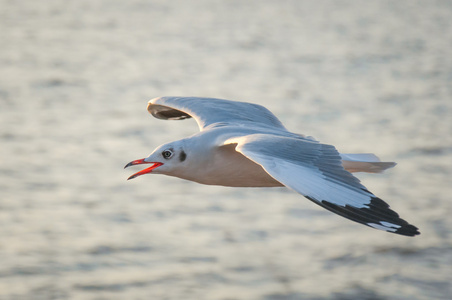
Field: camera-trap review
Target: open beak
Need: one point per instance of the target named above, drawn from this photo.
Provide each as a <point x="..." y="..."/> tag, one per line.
<point x="145" y="171"/>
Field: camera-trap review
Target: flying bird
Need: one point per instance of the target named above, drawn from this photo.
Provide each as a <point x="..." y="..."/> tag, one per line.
<point x="244" y="145"/>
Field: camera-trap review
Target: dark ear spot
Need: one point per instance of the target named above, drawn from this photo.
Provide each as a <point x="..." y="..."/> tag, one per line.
<point x="182" y="156"/>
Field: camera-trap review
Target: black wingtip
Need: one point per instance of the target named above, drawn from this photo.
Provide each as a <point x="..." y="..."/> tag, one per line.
<point x="377" y="215"/>
<point x="382" y="210"/>
<point x="408" y="230"/>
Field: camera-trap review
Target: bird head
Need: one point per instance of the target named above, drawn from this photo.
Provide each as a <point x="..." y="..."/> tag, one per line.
<point x="165" y="160"/>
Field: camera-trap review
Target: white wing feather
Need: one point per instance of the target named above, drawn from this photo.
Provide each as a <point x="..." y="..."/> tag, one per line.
<point x="210" y="111"/>
<point x="315" y="171"/>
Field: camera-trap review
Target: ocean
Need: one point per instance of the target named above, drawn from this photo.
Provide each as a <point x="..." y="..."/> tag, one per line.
<point x="75" y="78"/>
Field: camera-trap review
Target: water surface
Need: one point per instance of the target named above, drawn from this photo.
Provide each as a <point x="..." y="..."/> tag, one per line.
<point x="75" y="80"/>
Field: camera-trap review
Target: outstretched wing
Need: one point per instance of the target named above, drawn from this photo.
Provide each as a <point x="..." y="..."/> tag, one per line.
<point x="208" y="111"/>
<point x="315" y="171"/>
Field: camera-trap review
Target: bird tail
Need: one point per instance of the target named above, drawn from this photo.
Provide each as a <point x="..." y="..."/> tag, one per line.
<point x="364" y="162"/>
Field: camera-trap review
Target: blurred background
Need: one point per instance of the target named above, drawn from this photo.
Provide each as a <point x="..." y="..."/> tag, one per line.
<point x="75" y="78"/>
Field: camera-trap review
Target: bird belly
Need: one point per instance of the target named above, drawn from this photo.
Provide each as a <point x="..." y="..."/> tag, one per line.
<point x="230" y="168"/>
<point x="248" y="175"/>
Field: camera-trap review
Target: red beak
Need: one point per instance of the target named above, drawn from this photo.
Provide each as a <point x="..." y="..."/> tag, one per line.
<point x="145" y="171"/>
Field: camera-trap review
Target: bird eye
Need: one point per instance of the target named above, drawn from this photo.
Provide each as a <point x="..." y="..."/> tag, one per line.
<point x="167" y="154"/>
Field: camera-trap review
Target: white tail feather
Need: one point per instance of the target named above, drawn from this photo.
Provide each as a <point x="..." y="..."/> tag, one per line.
<point x="364" y="162"/>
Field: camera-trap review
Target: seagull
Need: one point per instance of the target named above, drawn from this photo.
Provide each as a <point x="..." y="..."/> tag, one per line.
<point x="245" y="145"/>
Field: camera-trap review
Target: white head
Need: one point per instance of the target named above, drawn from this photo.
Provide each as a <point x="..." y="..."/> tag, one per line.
<point x="166" y="159"/>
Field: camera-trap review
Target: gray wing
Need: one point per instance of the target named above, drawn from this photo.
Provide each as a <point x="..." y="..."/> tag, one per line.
<point x="315" y="171"/>
<point x="209" y="111"/>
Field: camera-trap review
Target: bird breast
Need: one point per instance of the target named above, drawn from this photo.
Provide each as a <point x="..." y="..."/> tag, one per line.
<point x="227" y="167"/>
